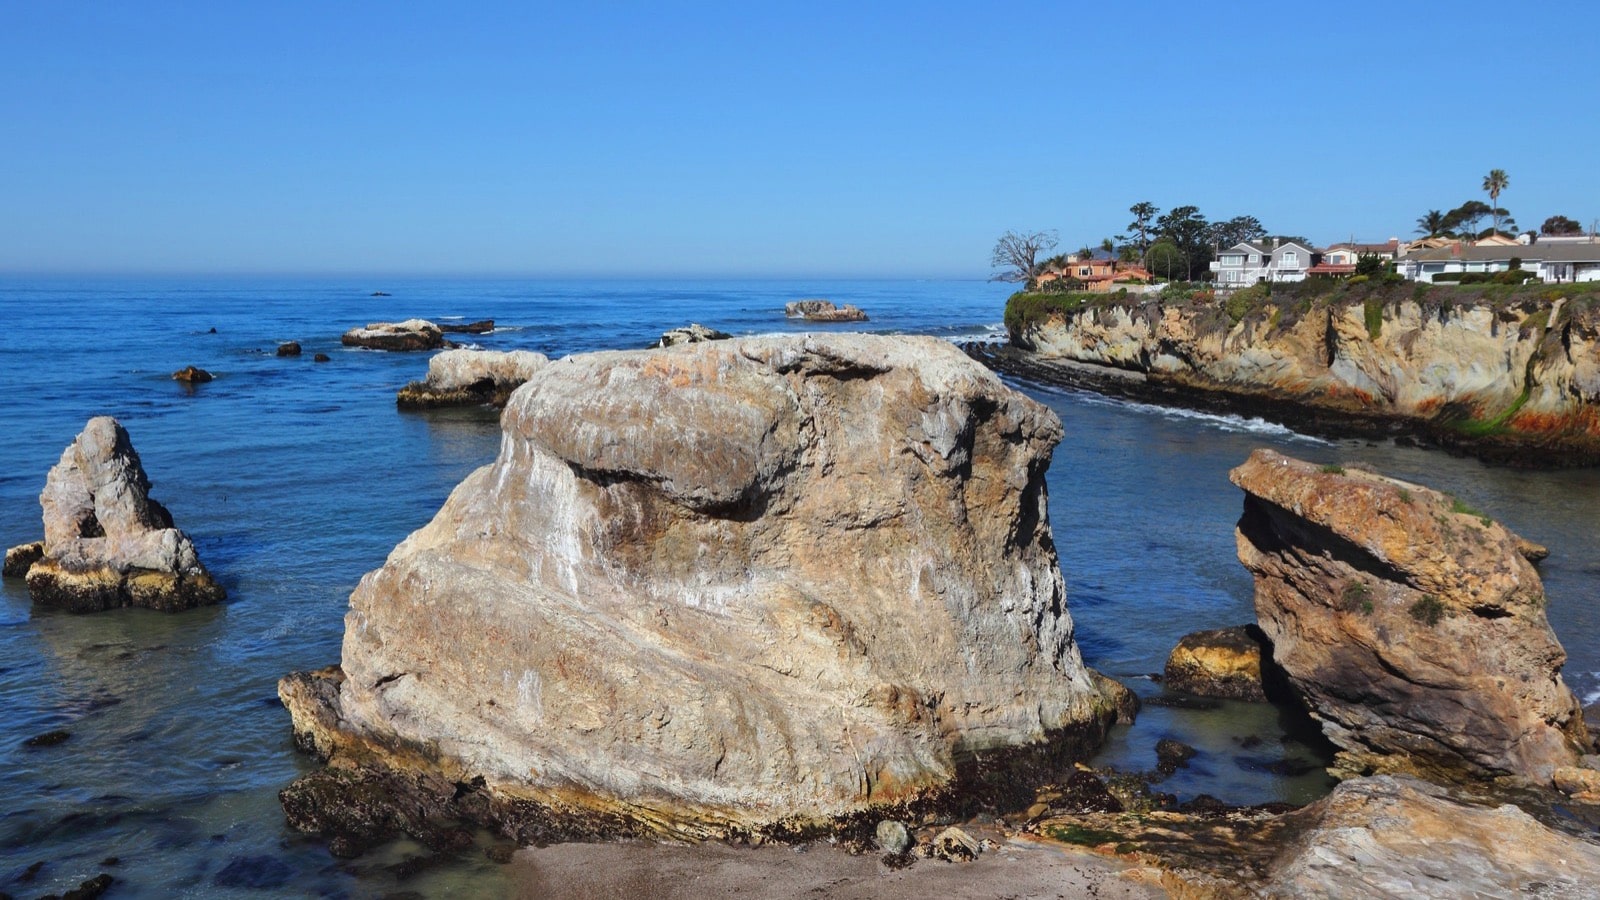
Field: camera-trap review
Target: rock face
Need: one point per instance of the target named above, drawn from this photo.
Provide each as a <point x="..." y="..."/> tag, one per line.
<point x="823" y="311"/>
<point x="747" y="585"/>
<point x="412" y="334"/>
<point x="1410" y="626"/>
<point x="1401" y="837"/>
<point x="471" y="377"/>
<point x="1222" y="662"/>
<point x="694" y="333"/>
<point x="106" y="543"/>
<point x="1516" y="380"/>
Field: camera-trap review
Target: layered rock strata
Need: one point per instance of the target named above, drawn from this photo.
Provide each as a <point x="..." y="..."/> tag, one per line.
<point x="1410" y="625"/>
<point x="758" y="585"/>
<point x="412" y="334"/>
<point x="1401" y="837"/>
<point x="1510" y="381"/>
<point x="470" y="378"/>
<point x="823" y="311"/>
<point x="106" y="543"/>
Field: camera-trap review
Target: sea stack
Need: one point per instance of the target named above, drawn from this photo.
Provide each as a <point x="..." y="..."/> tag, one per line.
<point x="106" y="543"/>
<point x="471" y="377"/>
<point x="743" y="587"/>
<point x="823" y="311"/>
<point x="412" y="334"/>
<point x="1408" y="623"/>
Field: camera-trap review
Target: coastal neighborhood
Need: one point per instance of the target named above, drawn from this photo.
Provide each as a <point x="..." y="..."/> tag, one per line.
<point x="1183" y="245"/>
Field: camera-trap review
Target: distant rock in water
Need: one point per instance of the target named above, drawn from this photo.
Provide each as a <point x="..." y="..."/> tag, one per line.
<point x="1409" y="624"/>
<point x="470" y="378"/>
<point x="106" y="543"/>
<point x="483" y="327"/>
<point x="192" y="375"/>
<point x="823" y="311"/>
<point x="322" y="357"/>
<point x="289" y="348"/>
<point x="693" y="333"/>
<point x="412" y="334"/>
<point x="380" y="294"/>
<point x="743" y="586"/>
<point x="1401" y="837"/>
<point x="1222" y="662"/>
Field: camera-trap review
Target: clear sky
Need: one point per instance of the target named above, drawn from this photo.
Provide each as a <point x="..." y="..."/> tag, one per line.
<point x="649" y="139"/>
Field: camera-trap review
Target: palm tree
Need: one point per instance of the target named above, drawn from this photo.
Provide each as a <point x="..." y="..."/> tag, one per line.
<point x="1432" y="224"/>
<point x="1495" y="182"/>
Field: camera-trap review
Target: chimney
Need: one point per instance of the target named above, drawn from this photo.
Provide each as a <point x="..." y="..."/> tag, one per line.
<point x="1276" y="242"/>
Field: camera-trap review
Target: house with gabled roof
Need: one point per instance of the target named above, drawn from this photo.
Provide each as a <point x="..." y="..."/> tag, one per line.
<point x="1340" y="259"/>
<point x="1556" y="262"/>
<point x="1249" y="262"/>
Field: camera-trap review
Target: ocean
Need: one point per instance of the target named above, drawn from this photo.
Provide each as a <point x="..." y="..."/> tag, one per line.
<point x="294" y="478"/>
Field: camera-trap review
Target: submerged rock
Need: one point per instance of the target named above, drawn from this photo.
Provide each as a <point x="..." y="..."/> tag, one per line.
<point x="192" y="375"/>
<point x="106" y="542"/>
<point x="321" y="357"/>
<point x="470" y="378"/>
<point x="412" y="334"/>
<point x="1402" y="837"/>
<point x="1410" y="625"/>
<point x="823" y="311"/>
<point x="481" y="327"/>
<point x="1222" y="662"/>
<point x="691" y="334"/>
<point x="756" y="585"/>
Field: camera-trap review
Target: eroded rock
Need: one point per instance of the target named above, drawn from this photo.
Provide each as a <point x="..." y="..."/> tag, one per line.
<point x="1410" y="625"/>
<point x="1402" y="837"/>
<point x="1222" y="662"/>
<point x="412" y="334"/>
<point x="470" y="378"/>
<point x="746" y="586"/>
<point x="823" y="311"/>
<point x="693" y="333"/>
<point x="106" y="542"/>
<point x="20" y="559"/>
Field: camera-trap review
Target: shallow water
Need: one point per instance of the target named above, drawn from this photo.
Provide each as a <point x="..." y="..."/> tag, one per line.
<point x="295" y="478"/>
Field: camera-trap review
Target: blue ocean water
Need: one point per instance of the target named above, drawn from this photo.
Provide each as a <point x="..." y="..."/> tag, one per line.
<point x="296" y="477"/>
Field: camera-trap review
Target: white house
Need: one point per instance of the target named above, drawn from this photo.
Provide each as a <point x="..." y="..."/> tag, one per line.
<point x="1248" y="262"/>
<point x="1561" y="261"/>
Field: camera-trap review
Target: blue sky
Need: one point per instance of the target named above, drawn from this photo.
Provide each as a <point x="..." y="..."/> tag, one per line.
<point x="644" y="140"/>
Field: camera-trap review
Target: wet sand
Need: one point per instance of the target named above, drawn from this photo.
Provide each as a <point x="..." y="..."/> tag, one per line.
<point x="1016" y="869"/>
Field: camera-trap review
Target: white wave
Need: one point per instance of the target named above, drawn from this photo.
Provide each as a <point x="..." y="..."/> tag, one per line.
<point x="1592" y="696"/>
<point x="1221" y="421"/>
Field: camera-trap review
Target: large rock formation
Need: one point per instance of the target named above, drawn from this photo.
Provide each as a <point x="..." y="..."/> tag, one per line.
<point x="1220" y="662"/>
<point x="106" y="542"/>
<point x="1410" y="625"/>
<point x="823" y="311"/>
<point x="1390" y="837"/>
<point x="471" y="377"/>
<point x="1513" y="379"/>
<point x="748" y="585"/>
<point x="412" y="334"/>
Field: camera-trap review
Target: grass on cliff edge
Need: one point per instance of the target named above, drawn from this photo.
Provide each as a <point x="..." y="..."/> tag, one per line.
<point x="1281" y="305"/>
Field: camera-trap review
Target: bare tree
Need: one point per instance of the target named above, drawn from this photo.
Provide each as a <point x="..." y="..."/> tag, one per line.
<point x="1016" y="255"/>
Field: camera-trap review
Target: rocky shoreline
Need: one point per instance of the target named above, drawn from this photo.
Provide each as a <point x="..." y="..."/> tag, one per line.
<point x="1511" y="379"/>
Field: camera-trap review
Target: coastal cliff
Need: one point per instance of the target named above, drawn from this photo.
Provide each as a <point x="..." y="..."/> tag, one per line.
<point x="745" y="586"/>
<point x="1510" y="374"/>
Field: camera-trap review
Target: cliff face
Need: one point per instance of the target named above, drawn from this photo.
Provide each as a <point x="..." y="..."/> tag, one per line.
<point x="722" y="586"/>
<point x="1494" y="376"/>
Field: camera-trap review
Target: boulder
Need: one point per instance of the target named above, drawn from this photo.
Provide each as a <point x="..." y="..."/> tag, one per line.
<point x="412" y="334"/>
<point x="691" y="334"/>
<point x="470" y="378"/>
<point x="20" y="559"/>
<point x="289" y="348"/>
<point x="757" y="586"/>
<point x="1402" y="837"/>
<point x="106" y="542"/>
<point x="481" y="327"/>
<point x="1409" y="625"/>
<point x="321" y="357"/>
<point x="192" y="375"/>
<point x="823" y="311"/>
<point x="1222" y="662"/>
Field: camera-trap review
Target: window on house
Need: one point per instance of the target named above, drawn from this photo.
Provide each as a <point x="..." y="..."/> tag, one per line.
<point x="1083" y="270"/>
<point x="1254" y="259"/>
<point x="1291" y="259"/>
